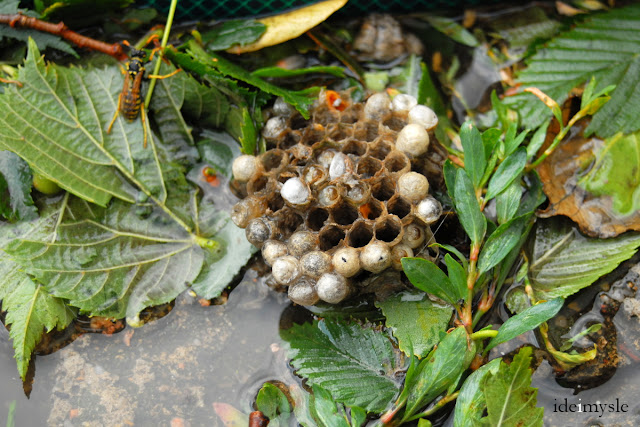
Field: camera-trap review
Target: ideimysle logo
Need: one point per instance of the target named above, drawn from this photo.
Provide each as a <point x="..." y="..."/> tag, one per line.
<point x="596" y="407"/>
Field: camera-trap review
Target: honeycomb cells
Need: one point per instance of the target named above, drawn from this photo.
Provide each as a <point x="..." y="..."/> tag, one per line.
<point x="341" y="196"/>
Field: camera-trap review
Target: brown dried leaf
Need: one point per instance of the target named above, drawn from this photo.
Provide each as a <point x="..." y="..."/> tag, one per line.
<point x="560" y="174"/>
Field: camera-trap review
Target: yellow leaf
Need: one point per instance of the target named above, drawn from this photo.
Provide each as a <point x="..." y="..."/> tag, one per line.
<point x="289" y="25"/>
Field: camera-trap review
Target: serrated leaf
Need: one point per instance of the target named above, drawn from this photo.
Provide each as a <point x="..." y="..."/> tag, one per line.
<point x="234" y="32"/>
<point x="468" y="209"/>
<point x="30" y="311"/>
<point x="111" y="262"/>
<point x="616" y="173"/>
<point x="604" y="46"/>
<point x="511" y="401"/>
<point x="416" y="321"/>
<point x="527" y="320"/>
<point x="474" y="156"/>
<point x="57" y="123"/>
<point x="470" y="404"/>
<point x="501" y="242"/>
<point x="325" y="409"/>
<point x="273" y="403"/>
<point x="15" y="188"/>
<point x="507" y="172"/>
<point x="563" y="261"/>
<point x="438" y="372"/>
<point x="357" y="365"/>
<point x="427" y="277"/>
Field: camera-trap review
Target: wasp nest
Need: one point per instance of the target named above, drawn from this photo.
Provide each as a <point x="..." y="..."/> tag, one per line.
<point x="340" y="196"/>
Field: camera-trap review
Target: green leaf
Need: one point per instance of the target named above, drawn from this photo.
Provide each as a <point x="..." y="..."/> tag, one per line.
<point x="508" y="201"/>
<point x="563" y="261"/>
<point x="15" y="188"/>
<point x="507" y="172"/>
<point x="325" y="409"/>
<point x="240" y="125"/>
<point x="30" y="311"/>
<point x="278" y="72"/>
<point x="511" y="401"/>
<point x="513" y="141"/>
<point x="449" y="171"/>
<point x="528" y="319"/>
<point x="474" y="156"/>
<point x="273" y="403"/>
<point x="500" y="243"/>
<point x="43" y="40"/>
<point x="218" y="150"/>
<point x="604" y="46"/>
<point x="358" y="416"/>
<point x="357" y="365"/>
<point x="222" y="265"/>
<point x="440" y="371"/>
<point x="468" y="209"/>
<point x="616" y="173"/>
<point x="452" y="29"/>
<point x="427" y="277"/>
<point x="537" y="140"/>
<point x="428" y="95"/>
<point x="215" y="64"/>
<point x="458" y="275"/>
<point x="569" y="343"/>
<point x="416" y="321"/>
<point x="490" y="141"/>
<point x="470" y="404"/>
<point x="234" y="32"/>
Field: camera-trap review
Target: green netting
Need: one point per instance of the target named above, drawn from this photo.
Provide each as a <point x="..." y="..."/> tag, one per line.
<point x="219" y="9"/>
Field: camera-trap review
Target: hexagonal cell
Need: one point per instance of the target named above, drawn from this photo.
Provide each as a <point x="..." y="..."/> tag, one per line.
<point x="289" y="140"/>
<point x="383" y="188"/>
<point x="288" y="221"/>
<point x="355" y="191"/>
<point x="314" y="174"/>
<point x="351" y="114"/>
<point x="325" y="116"/>
<point x="360" y="234"/>
<point x="312" y="135"/>
<point x="397" y="162"/>
<point x="275" y="201"/>
<point x="355" y="147"/>
<point x="367" y="131"/>
<point x="339" y="132"/>
<point x="399" y="206"/>
<point x="316" y="218"/>
<point x="344" y="213"/>
<point x="395" y="123"/>
<point x="257" y="183"/>
<point x="389" y="229"/>
<point x="298" y="122"/>
<point x="368" y="167"/>
<point x="372" y="209"/>
<point x="329" y="196"/>
<point x="329" y="237"/>
<point x="274" y="160"/>
<point x="380" y="149"/>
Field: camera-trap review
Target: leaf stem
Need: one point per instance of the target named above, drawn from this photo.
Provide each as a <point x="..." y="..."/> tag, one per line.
<point x="163" y="44"/>
<point x="559" y="137"/>
<point x="436" y="407"/>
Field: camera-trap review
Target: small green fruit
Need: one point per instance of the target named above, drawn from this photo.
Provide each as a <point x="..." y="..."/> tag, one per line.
<point x="45" y="185"/>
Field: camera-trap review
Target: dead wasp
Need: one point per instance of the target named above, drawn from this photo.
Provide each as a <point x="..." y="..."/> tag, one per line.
<point x="130" y="99"/>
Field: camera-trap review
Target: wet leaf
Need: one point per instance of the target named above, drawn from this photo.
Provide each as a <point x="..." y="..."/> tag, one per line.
<point x="231" y="33"/>
<point x="289" y="25"/>
<point x="508" y="201"/>
<point x="458" y="275"/>
<point x="616" y="173"/>
<point x="15" y="188"/>
<point x="564" y="178"/>
<point x="507" y="172"/>
<point x="509" y="396"/>
<point x="471" y="404"/>
<point x="452" y="29"/>
<point x="334" y="354"/>
<point x="501" y="242"/>
<point x="474" y="156"/>
<point x="427" y="277"/>
<point x="563" y="261"/>
<point x="325" y="409"/>
<point x="602" y="46"/>
<point x="273" y="403"/>
<point x="440" y="371"/>
<point x="527" y="320"/>
<point x="416" y="321"/>
<point x="30" y="311"/>
<point x="468" y="209"/>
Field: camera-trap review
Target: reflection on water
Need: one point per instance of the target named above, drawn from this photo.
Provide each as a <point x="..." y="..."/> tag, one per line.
<point x="170" y="370"/>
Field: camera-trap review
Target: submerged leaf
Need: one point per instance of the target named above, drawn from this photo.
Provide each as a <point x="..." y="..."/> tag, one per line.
<point x="416" y="321"/>
<point x="563" y="261"/>
<point x="605" y="47"/>
<point x="15" y="188"/>
<point x="357" y="365"/>
<point x="510" y="399"/>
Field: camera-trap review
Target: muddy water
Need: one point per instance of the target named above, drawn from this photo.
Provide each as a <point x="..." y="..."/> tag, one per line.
<point x="171" y="370"/>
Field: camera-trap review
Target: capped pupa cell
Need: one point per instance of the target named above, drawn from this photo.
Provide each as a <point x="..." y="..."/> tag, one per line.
<point x="272" y="250"/>
<point x="285" y="270"/>
<point x="315" y="263"/>
<point x="332" y="288"/>
<point x="346" y="261"/>
<point x="376" y="257"/>
<point x="397" y="253"/>
<point x="302" y="242"/>
<point x="258" y="231"/>
<point x="303" y="292"/>
<point x="247" y="209"/>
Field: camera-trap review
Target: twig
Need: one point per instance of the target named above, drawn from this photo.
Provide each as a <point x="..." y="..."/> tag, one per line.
<point x="60" y="29"/>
